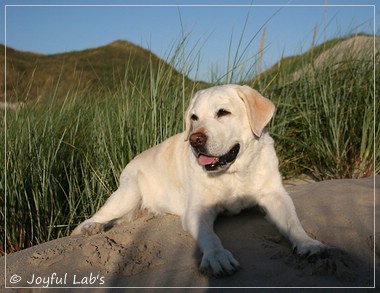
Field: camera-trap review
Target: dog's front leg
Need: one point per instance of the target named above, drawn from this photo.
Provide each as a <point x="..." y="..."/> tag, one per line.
<point x="281" y="211"/>
<point x="216" y="260"/>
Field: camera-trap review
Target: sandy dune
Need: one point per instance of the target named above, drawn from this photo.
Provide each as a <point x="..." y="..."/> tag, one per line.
<point x="156" y="252"/>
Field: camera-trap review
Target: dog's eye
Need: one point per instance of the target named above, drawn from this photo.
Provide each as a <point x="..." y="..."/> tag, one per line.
<point x="222" y="113"/>
<point x="194" y="117"/>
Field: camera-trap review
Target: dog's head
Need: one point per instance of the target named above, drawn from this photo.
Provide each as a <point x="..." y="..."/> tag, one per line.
<point x="222" y="120"/>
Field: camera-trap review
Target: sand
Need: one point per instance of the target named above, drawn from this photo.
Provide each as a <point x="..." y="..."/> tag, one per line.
<point x="154" y="251"/>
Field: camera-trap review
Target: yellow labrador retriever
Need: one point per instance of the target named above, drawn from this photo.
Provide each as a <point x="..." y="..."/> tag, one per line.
<point x="224" y="161"/>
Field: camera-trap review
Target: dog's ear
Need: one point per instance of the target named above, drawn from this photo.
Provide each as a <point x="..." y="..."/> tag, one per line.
<point x="259" y="109"/>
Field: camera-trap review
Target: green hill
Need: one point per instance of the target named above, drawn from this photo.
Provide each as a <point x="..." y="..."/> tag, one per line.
<point x="332" y="53"/>
<point x="326" y="106"/>
<point x="32" y="76"/>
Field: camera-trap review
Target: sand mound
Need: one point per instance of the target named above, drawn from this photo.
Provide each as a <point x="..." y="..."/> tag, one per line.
<point x="156" y="252"/>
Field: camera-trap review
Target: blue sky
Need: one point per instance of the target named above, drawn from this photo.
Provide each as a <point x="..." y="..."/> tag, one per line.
<point x="212" y="31"/>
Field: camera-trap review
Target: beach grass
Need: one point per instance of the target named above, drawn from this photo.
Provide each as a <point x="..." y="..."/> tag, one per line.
<point x="64" y="154"/>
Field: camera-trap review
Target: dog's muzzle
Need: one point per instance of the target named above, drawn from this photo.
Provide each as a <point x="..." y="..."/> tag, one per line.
<point x="210" y="162"/>
<point x="221" y="161"/>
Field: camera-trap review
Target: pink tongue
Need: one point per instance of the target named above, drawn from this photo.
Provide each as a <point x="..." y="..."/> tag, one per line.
<point x="204" y="160"/>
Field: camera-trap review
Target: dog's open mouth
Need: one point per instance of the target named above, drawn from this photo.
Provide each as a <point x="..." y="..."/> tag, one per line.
<point x="212" y="163"/>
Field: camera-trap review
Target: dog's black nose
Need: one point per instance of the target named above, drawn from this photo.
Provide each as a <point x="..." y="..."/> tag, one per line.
<point x="198" y="139"/>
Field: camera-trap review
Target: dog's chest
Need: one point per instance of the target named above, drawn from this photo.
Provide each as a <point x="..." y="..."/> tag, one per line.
<point x="235" y="205"/>
<point x="234" y="196"/>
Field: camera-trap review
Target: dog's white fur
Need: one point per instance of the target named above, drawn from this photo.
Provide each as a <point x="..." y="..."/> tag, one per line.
<point x="168" y="178"/>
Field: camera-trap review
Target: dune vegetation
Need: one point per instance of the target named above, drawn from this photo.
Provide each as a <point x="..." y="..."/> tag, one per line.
<point x="83" y="116"/>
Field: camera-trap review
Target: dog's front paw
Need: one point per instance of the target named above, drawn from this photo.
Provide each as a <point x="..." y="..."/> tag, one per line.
<point x="312" y="249"/>
<point x="218" y="263"/>
<point x="88" y="228"/>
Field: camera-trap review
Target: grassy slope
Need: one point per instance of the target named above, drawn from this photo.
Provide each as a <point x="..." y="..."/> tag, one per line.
<point x="326" y="118"/>
<point x="282" y="72"/>
<point x="33" y="76"/>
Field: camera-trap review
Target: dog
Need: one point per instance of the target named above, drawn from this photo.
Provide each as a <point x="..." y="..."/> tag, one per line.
<point x="224" y="161"/>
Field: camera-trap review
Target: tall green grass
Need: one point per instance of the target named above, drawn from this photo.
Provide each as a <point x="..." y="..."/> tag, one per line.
<point x="64" y="155"/>
<point x="326" y="120"/>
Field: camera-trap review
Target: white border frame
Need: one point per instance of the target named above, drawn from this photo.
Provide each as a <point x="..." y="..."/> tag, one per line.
<point x="187" y="5"/>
